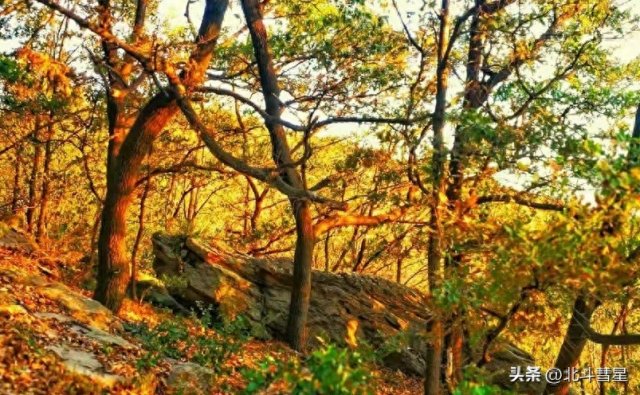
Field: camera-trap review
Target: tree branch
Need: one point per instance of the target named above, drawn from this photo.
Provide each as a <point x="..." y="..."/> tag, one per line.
<point x="505" y="198"/>
<point x="358" y="220"/>
<point x="272" y="178"/>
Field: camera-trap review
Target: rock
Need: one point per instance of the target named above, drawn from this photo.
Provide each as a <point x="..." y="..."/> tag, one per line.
<point x="81" y="308"/>
<point x="96" y="334"/>
<point x="13" y="275"/>
<point x="85" y="364"/>
<point x="345" y="308"/>
<point x="9" y="306"/>
<point x="189" y="378"/>
<point x="407" y="361"/>
<point x="78" y="306"/>
<point x="151" y="289"/>
<point x="53" y="316"/>
<point x="101" y="336"/>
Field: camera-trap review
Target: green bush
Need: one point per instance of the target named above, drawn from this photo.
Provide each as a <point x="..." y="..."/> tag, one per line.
<point x="474" y="383"/>
<point x="471" y="388"/>
<point x="330" y="370"/>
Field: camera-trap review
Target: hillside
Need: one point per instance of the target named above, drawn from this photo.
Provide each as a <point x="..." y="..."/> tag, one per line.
<point x="54" y="339"/>
<point x="320" y="197"/>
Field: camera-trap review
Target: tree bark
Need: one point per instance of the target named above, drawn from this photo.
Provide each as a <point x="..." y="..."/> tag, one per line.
<point x="33" y="179"/>
<point x="125" y="160"/>
<point x="281" y="153"/>
<point x="435" y="327"/>
<point x="15" y="200"/>
<point x="574" y="341"/>
<point x="46" y="181"/>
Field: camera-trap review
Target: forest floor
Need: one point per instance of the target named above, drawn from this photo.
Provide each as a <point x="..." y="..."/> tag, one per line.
<point x="55" y="339"/>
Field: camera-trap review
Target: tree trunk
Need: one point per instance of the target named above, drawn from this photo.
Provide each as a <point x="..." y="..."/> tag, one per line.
<point x="113" y="262"/>
<point x="136" y="243"/>
<point x="125" y="160"/>
<point x="475" y="94"/>
<point x="327" y="261"/>
<point x="435" y="327"/>
<point x="356" y="268"/>
<point x="605" y="347"/>
<point x="15" y="200"/>
<point x="94" y="234"/>
<point x="46" y="181"/>
<point x="574" y="341"/>
<point x="433" y="358"/>
<point x="170" y="193"/>
<point x="302" y="262"/>
<point x="33" y="179"/>
<point x="455" y="346"/>
<point x="303" y="257"/>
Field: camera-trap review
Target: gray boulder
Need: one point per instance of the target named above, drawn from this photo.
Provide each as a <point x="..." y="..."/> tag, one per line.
<point x="345" y="308"/>
<point x="84" y="364"/>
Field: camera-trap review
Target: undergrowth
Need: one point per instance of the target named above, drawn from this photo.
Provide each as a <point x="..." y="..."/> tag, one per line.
<point x="199" y="339"/>
<point x="330" y="370"/>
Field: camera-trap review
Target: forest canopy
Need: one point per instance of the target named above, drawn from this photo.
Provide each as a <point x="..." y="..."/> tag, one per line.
<point x="482" y="152"/>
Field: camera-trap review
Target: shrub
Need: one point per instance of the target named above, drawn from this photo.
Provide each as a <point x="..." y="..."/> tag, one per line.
<point x="328" y="370"/>
<point x="474" y="383"/>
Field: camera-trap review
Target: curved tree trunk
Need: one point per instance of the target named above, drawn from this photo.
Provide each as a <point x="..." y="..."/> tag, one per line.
<point x="113" y="260"/>
<point x="574" y="341"/>
<point x="125" y="160"/>
<point x="303" y="257"/>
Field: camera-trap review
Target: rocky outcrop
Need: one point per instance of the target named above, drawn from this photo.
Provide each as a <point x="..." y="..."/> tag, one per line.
<point x="84" y="364"/>
<point x="345" y="308"/>
<point x="152" y="290"/>
<point x="63" y="322"/>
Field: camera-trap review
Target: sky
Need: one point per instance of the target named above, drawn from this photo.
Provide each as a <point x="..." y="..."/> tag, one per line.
<point x="172" y="12"/>
<point x="625" y="50"/>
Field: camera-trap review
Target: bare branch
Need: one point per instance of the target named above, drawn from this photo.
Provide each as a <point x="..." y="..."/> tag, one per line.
<point x="358" y="220"/>
<point x="505" y="198"/>
<point x="272" y="178"/>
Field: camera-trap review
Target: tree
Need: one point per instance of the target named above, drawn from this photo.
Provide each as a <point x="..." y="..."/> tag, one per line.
<point x="483" y="132"/>
<point x="305" y="239"/>
<point x="126" y="153"/>
<point x="461" y="135"/>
